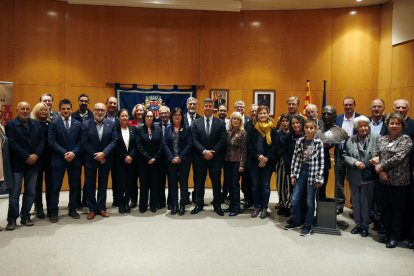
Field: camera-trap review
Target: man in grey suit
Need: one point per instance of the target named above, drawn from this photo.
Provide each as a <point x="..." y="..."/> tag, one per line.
<point x="47" y="98"/>
<point x="209" y="137"/>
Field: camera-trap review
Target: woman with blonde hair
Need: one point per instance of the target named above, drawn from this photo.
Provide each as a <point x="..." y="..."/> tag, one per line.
<point x="40" y="112"/>
<point x="263" y="147"/>
<point x="234" y="160"/>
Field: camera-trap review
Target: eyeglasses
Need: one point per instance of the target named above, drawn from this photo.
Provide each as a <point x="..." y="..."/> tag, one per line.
<point x="149" y="116"/>
<point x="99" y="110"/>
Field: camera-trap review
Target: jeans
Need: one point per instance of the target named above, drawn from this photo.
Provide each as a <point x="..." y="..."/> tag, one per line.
<point x="30" y="177"/>
<point x="260" y="178"/>
<point x="231" y="180"/>
<point x="301" y="187"/>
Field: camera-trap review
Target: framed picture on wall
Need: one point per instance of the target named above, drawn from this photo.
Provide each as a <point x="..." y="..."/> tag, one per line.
<point x="220" y="97"/>
<point x="265" y="97"/>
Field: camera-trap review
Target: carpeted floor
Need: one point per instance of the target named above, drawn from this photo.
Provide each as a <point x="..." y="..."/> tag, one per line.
<point x="202" y="244"/>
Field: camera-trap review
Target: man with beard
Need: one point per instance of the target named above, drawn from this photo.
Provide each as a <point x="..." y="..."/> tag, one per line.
<point x="83" y="113"/>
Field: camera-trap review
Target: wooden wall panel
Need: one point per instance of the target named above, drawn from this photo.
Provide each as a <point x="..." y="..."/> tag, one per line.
<point x="385" y="55"/>
<point x="88" y="46"/>
<point x="220" y="49"/>
<point x="135" y="44"/>
<point x="178" y="47"/>
<point x="7" y="40"/>
<point x="40" y="42"/>
<point x="402" y="65"/>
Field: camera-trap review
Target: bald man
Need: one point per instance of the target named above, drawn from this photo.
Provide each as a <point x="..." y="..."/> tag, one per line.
<point x="26" y="144"/>
<point x="98" y="140"/>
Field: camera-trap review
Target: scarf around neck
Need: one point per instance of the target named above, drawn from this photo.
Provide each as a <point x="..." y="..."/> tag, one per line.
<point x="265" y="130"/>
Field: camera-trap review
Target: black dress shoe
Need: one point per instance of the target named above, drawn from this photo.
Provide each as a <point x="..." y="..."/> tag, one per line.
<point x="196" y="210"/>
<point x="384" y="239"/>
<point x="11" y="225"/>
<point x="133" y="205"/>
<point x="121" y="209"/>
<point x="391" y="243"/>
<point x="364" y="233"/>
<point x="142" y="210"/>
<point x="255" y="213"/>
<point x="73" y="214"/>
<point x="174" y="210"/>
<point x="153" y="209"/>
<point x="227" y="210"/>
<point x="263" y="214"/>
<point x="410" y="245"/>
<point x="26" y="222"/>
<point x="127" y="209"/>
<point x="40" y="214"/>
<point x="247" y="205"/>
<point x="356" y="230"/>
<point x="161" y="205"/>
<point x="219" y="212"/>
<point x="233" y="214"/>
<point x="182" y="210"/>
<point x="53" y="218"/>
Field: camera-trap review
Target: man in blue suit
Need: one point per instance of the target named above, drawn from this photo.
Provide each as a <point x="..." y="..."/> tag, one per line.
<point x="26" y="146"/>
<point x="65" y="143"/>
<point x="98" y="141"/>
<point x="346" y="122"/>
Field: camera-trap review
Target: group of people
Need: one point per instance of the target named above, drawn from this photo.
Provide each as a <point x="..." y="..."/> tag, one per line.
<point x="373" y="153"/>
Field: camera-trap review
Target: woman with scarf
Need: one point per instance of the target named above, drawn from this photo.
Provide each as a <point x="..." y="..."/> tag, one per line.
<point x="263" y="146"/>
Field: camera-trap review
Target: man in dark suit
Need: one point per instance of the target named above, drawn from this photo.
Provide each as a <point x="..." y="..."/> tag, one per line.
<point x="82" y="114"/>
<point x="65" y="143"/>
<point x="346" y="122"/>
<point x="189" y="117"/>
<point x="377" y="118"/>
<point x="112" y="114"/>
<point x="209" y="137"/>
<point x="165" y="121"/>
<point x="26" y="142"/>
<point x="246" y="185"/>
<point x="98" y="141"/>
<point x="47" y="98"/>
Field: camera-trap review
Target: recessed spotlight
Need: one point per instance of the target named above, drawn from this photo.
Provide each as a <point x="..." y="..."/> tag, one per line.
<point x="255" y="23"/>
<point x="352" y="12"/>
<point x="52" y="13"/>
<point x="359" y="0"/>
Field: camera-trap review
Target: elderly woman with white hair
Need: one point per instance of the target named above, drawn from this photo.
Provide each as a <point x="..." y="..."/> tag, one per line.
<point x="358" y="151"/>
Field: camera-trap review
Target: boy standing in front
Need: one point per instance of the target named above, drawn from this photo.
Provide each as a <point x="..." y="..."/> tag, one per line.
<point x="306" y="176"/>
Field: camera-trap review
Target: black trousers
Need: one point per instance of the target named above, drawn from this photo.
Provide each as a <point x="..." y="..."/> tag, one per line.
<point x="178" y="173"/>
<point x="162" y="181"/>
<point x="394" y="202"/>
<point x="46" y="171"/>
<point x="126" y="177"/>
<point x="201" y="166"/>
<point x="149" y="184"/>
<point x="115" y="184"/>
<point x="246" y="186"/>
<point x="74" y="178"/>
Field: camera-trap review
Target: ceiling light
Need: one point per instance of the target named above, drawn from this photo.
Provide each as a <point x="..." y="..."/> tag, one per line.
<point x="255" y="23"/>
<point x="359" y="0"/>
<point x="352" y="12"/>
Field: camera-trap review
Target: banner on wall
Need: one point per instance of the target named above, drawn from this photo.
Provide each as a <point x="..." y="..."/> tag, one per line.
<point x="153" y="97"/>
<point x="6" y="102"/>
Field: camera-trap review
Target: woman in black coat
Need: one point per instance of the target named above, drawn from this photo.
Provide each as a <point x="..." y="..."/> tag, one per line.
<point x="178" y="143"/>
<point x="149" y="144"/>
<point x="124" y="162"/>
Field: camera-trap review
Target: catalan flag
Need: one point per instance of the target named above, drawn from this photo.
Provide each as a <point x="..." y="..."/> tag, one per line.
<point x="307" y="97"/>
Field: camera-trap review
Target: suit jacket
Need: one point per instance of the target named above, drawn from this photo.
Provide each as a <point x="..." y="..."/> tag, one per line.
<point x="354" y="152"/>
<point x="62" y="141"/>
<point x="24" y="142"/>
<point x="149" y="148"/>
<point x="340" y="119"/>
<point x="185" y="142"/>
<point x="121" y="151"/>
<point x="91" y="144"/>
<point x="76" y="115"/>
<point x="409" y="129"/>
<point x="216" y="141"/>
<point x="54" y="115"/>
<point x="384" y="129"/>
<point x="186" y="123"/>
